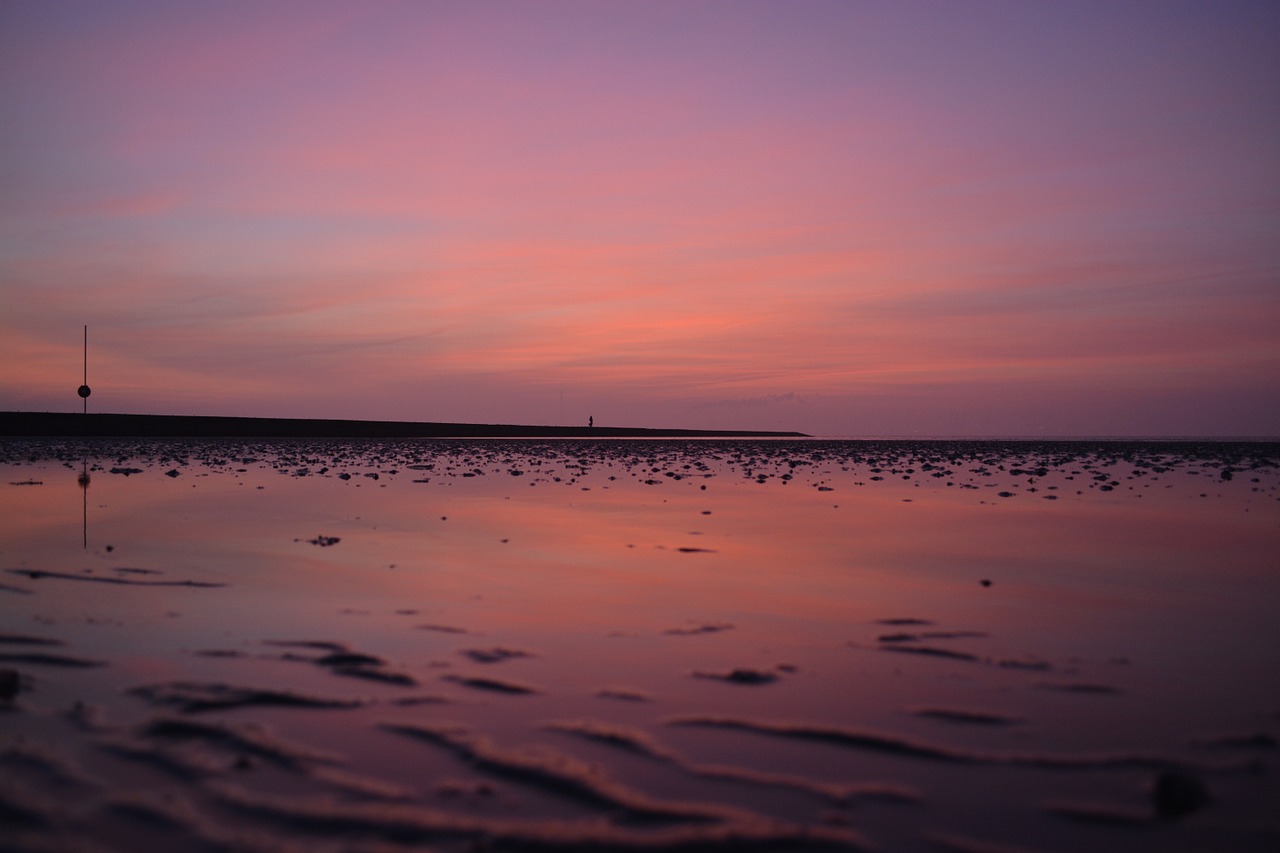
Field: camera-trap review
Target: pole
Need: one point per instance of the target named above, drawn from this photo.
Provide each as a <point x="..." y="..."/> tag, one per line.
<point x="84" y="391"/>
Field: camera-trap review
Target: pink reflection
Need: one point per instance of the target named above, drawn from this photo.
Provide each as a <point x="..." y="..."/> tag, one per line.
<point x="640" y="643"/>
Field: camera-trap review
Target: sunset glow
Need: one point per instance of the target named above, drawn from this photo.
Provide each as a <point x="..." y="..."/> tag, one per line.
<point x="986" y="218"/>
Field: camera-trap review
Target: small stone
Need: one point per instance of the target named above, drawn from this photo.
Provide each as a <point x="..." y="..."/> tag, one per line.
<point x="1178" y="793"/>
<point x="349" y="659"/>
<point x="750" y="676"/>
<point x="740" y="676"/>
<point x="10" y="682"/>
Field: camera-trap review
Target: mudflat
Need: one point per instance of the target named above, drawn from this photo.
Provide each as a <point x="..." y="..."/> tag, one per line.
<point x="663" y="644"/>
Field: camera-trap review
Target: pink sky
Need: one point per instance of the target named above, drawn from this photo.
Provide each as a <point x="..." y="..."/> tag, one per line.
<point x="845" y="218"/>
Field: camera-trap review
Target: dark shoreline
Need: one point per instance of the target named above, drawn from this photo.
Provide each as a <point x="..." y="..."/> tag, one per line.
<point x="196" y="426"/>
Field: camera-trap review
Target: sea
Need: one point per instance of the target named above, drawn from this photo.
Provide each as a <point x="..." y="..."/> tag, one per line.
<point x="622" y="644"/>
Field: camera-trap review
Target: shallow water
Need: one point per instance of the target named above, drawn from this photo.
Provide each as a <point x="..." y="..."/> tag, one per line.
<point x="330" y="645"/>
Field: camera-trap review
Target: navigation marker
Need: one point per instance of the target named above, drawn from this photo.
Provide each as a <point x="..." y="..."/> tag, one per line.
<point x="84" y="391"/>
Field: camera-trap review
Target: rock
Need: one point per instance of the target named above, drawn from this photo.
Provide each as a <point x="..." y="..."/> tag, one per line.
<point x="1178" y="793"/>
<point x="10" y="682"/>
<point x="740" y="676"/>
<point x="349" y="659"/>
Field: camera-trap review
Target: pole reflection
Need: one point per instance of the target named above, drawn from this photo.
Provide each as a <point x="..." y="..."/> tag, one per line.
<point x="83" y="480"/>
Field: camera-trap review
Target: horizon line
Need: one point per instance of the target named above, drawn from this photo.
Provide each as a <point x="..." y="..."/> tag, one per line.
<point x="63" y="421"/>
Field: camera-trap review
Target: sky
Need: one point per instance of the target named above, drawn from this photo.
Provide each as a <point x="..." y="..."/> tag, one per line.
<point x="848" y="218"/>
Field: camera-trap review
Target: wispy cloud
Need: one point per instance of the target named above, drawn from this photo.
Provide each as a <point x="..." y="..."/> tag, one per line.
<point x="674" y="214"/>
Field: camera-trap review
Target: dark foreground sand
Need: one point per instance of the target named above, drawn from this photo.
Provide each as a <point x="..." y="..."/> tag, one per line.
<point x="613" y="645"/>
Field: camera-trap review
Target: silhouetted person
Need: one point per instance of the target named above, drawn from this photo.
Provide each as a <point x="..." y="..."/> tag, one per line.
<point x="591" y="422"/>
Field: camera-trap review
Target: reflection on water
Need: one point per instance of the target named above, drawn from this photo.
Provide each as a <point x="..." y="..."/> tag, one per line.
<point x="84" y="480"/>
<point x="670" y="645"/>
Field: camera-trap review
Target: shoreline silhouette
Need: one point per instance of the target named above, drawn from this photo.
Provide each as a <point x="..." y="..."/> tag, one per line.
<point x="205" y="426"/>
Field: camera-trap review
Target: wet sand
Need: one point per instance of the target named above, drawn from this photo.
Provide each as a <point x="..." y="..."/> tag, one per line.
<point x="617" y="644"/>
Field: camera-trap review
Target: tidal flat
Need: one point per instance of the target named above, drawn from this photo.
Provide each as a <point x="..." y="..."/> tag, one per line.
<point x="577" y="644"/>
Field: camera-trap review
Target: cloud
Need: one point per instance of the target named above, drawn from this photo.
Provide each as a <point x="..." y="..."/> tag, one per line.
<point x="680" y="218"/>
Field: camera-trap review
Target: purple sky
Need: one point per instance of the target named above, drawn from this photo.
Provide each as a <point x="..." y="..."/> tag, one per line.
<point x="845" y="218"/>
